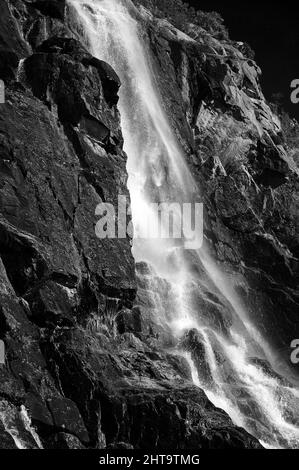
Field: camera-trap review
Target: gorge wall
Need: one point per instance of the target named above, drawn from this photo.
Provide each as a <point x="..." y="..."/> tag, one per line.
<point x="86" y="364"/>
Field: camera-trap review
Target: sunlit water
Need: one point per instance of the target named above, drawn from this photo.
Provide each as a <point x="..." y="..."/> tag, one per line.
<point x="261" y="403"/>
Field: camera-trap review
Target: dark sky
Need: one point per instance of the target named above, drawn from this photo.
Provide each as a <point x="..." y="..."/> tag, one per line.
<point x="272" y="30"/>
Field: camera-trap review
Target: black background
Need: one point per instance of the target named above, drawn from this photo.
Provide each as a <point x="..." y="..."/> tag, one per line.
<point x="272" y="30"/>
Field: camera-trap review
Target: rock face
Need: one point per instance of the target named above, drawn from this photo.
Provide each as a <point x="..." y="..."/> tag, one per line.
<point x="245" y="169"/>
<point x="85" y="367"/>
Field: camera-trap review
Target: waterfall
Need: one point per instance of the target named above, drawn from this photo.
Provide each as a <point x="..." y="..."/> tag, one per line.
<point x="231" y="367"/>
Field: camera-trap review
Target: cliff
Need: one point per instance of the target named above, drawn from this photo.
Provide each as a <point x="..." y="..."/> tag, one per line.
<point x="86" y="366"/>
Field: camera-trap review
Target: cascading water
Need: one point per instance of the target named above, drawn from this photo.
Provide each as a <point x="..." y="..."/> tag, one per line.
<point x="263" y="404"/>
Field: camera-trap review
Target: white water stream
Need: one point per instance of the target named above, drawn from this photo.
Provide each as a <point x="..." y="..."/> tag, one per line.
<point x="264" y="405"/>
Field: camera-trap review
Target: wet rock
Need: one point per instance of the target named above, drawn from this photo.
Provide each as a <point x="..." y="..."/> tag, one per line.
<point x="194" y="343"/>
<point x="144" y="269"/>
<point x="17" y="425"/>
<point x="267" y="369"/>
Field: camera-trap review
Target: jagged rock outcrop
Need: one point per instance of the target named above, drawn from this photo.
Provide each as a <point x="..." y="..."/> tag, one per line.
<point x="85" y="366"/>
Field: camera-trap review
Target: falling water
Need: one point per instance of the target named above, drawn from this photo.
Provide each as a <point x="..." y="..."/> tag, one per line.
<point x="262" y="403"/>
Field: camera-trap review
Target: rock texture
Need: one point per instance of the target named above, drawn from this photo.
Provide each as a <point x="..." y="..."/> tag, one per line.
<point x="85" y="366"/>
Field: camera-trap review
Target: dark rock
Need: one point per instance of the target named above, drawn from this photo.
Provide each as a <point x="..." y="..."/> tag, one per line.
<point x="51" y="304"/>
<point x="66" y="416"/>
<point x="110" y="80"/>
<point x="194" y="343"/>
<point x="39" y="413"/>
<point x="53" y="8"/>
<point x="195" y="423"/>
<point x="129" y="321"/>
<point x="59" y="70"/>
<point x="12" y="45"/>
<point x="271" y="178"/>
